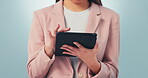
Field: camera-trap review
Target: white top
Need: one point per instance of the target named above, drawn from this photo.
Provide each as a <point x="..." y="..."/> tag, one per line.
<point x="77" y="21"/>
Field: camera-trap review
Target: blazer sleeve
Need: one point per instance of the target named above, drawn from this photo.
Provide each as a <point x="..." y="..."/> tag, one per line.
<point x="38" y="62"/>
<point x="109" y="64"/>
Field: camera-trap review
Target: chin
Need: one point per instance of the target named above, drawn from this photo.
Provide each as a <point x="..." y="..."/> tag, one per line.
<point x="77" y="1"/>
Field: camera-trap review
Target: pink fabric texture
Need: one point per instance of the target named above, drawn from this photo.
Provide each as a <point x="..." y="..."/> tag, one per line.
<point x="101" y="19"/>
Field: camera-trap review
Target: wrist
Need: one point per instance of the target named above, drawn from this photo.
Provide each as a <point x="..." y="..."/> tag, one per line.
<point x="49" y="51"/>
<point x="92" y="62"/>
<point x="94" y="66"/>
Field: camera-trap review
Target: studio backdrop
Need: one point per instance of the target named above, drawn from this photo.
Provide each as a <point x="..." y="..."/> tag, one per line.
<point x="15" y="22"/>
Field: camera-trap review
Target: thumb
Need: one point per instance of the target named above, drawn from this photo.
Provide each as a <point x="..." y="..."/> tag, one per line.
<point x="96" y="45"/>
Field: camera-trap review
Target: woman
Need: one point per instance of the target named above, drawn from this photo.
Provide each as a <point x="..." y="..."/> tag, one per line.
<point x="83" y="15"/>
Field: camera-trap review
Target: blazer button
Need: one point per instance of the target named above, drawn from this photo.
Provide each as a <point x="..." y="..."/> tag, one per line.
<point x="98" y="14"/>
<point x="81" y="74"/>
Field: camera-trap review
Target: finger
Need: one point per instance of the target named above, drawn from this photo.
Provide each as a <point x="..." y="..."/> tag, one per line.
<point x="68" y="49"/>
<point x="78" y="45"/>
<point x="67" y="29"/>
<point x="50" y="35"/>
<point x="96" y="45"/>
<point x="55" y="30"/>
<point x="69" y="53"/>
<point x="64" y="30"/>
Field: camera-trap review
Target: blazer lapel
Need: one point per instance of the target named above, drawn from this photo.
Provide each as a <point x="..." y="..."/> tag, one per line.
<point x="93" y="23"/>
<point x="58" y="15"/>
<point x="93" y="19"/>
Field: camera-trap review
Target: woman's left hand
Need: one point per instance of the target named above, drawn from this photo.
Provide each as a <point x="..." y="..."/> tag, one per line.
<point x="85" y="54"/>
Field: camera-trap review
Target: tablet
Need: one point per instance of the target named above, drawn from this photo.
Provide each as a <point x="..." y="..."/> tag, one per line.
<point x="88" y="40"/>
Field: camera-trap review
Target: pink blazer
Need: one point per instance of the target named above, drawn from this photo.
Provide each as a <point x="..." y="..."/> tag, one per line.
<point x="103" y="21"/>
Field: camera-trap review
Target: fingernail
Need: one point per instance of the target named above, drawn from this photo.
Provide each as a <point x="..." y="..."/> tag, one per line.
<point x="74" y="42"/>
<point x="58" y="25"/>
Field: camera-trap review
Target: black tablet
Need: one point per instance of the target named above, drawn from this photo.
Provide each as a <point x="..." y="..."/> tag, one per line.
<point x="88" y="40"/>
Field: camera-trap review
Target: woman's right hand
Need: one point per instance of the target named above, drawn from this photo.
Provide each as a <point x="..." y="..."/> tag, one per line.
<point x="50" y="46"/>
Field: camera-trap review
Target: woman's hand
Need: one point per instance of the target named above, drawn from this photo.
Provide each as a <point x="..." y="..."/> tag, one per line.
<point x="88" y="56"/>
<point x="50" y="46"/>
<point x="81" y="52"/>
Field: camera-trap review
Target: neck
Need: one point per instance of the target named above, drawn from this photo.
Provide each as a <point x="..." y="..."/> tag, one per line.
<point x="77" y="7"/>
